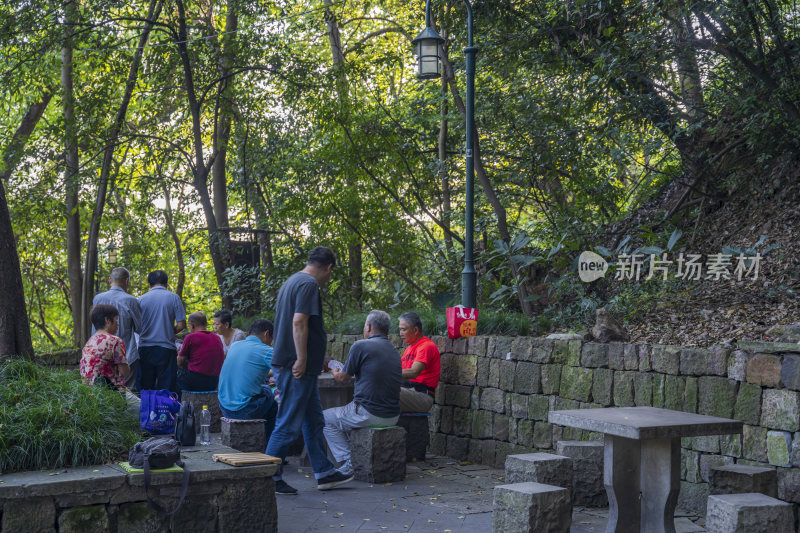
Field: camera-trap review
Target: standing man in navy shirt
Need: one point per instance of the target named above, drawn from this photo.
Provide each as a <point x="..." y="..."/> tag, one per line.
<point x="163" y="317"/>
<point x="300" y="343"/>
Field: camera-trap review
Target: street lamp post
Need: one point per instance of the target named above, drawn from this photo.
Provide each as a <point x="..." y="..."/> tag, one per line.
<point x="429" y="56"/>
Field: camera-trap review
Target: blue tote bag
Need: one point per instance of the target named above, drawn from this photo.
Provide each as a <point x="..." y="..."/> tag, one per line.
<point x="158" y="411"/>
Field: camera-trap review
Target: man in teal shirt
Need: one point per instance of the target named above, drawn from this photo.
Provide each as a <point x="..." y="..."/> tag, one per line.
<point x="243" y="392"/>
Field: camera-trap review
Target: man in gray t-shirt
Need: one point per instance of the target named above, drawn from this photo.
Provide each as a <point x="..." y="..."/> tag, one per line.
<point x="375" y="363"/>
<point x="130" y="318"/>
<point x="163" y="317"/>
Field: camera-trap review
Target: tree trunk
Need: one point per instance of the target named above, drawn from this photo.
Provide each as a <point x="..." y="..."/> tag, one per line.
<point x="170" y="220"/>
<point x="105" y="171"/>
<point x="488" y="189"/>
<point x="72" y="181"/>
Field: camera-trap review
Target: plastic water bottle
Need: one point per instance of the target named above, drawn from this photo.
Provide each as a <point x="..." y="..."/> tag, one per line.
<point x="205" y="426"/>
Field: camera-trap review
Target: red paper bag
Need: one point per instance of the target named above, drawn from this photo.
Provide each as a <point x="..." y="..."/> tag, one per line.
<point x="462" y="322"/>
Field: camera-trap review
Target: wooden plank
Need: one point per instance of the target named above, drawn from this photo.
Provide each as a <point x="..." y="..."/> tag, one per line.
<point x="245" y="458"/>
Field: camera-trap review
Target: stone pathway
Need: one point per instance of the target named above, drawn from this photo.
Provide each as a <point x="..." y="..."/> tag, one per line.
<point x="437" y="495"/>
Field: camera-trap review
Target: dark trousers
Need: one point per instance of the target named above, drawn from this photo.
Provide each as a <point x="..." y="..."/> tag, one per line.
<point x="196" y="382"/>
<point x="261" y="406"/>
<point x="157" y="368"/>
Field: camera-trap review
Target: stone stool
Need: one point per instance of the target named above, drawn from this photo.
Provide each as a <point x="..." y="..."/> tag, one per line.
<point x="587" y="471"/>
<point x="378" y="455"/>
<point x="526" y="507"/>
<point x="417" y="434"/>
<point x="737" y="479"/>
<point x="199" y="399"/>
<point x="244" y="435"/>
<point x="545" y="468"/>
<point x="751" y="512"/>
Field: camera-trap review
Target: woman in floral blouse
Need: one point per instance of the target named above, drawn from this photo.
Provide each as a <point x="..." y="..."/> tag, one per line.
<point x="103" y="358"/>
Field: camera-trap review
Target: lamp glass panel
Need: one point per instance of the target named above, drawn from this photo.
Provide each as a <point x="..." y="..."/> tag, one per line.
<point x="429" y="65"/>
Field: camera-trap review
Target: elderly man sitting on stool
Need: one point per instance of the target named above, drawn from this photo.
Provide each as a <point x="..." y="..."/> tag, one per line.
<point x="421" y="366"/>
<point x="376" y="398"/>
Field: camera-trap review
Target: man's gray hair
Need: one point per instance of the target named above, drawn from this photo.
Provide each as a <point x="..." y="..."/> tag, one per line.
<point x="120" y="274"/>
<point x="380" y="321"/>
<point x="412" y="319"/>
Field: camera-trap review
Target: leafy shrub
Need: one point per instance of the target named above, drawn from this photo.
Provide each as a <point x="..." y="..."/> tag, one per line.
<point x="50" y="419"/>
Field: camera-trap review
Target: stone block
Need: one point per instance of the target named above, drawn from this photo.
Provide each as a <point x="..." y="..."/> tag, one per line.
<point x="794" y="454"/>
<point x="513" y="424"/>
<point x="499" y="347"/>
<point x="719" y="360"/>
<point x="730" y="445"/>
<point x="478" y="344"/>
<point x="665" y="359"/>
<point x="767" y="347"/>
<point x="525" y="507"/>
<point x="693" y="497"/>
<point x="507" y="371"/>
<point x="519" y="405"/>
<point x="483" y="366"/>
<point x="576" y="383"/>
<point x="540" y="468"/>
<point x="737" y="365"/>
<point x="690" y="395"/>
<point x="789" y="484"/>
<point x="779" y="445"/>
<point x="748" y="404"/>
<point x="658" y="390"/>
<point x="462" y="422"/>
<point x="244" y="435"/>
<point x="764" y="369"/>
<point x="139" y="517"/>
<point x="602" y="385"/>
<point x="527" y="379"/>
<point x="543" y="435"/>
<point x="595" y="355"/>
<point x="551" y="378"/>
<point x="630" y="358"/>
<point x="31" y="515"/>
<point x="739" y="478"/>
<point x="438" y="445"/>
<point x="84" y="519"/>
<point x="706" y="443"/>
<point x="250" y="505"/>
<point x="690" y="466"/>
<point x="457" y="395"/>
<point x="674" y="389"/>
<point x="500" y="425"/>
<point x="538" y="406"/>
<point x="379" y="455"/>
<point x="459" y="346"/>
<point x="695" y="362"/>
<point x="417" y="435"/>
<point x="587" y="472"/>
<point x="754" y="443"/>
<point x="790" y="371"/>
<point x="642" y="389"/>
<point x="748" y="513"/>
<point x="567" y="352"/>
<point x="623" y="388"/>
<point x="717" y="396"/>
<point x="709" y="461"/>
<point x="522" y="348"/>
<point x="198" y="400"/>
<point x="780" y="409"/>
<point x="565" y="403"/>
<point x="525" y="433"/>
<point x="541" y="351"/>
<point x="488" y="448"/>
<point x="493" y="400"/>
<point x="459" y="369"/>
<point x="446" y="421"/>
<point x="645" y="364"/>
<point x="494" y="373"/>
<point x="482" y="422"/>
<point x="616" y="354"/>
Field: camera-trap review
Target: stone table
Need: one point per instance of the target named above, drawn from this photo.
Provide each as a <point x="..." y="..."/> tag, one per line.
<point x="332" y="393"/>
<point x="642" y="459"/>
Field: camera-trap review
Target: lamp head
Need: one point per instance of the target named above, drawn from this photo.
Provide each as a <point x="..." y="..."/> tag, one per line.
<point x="429" y="50"/>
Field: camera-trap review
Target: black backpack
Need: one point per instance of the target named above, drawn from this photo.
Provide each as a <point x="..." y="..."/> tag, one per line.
<point x="157" y="453"/>
<point x="185" y="431"/>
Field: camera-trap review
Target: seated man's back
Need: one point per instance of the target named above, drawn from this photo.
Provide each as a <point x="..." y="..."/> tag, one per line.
<point x="244" y="371"/>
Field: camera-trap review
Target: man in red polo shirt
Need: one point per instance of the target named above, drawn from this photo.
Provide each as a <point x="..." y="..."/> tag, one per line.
<point x="201" y="357"/>
<point x="421" y="365"/>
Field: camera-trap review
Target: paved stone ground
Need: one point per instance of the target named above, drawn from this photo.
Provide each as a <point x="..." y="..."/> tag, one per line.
<point x="437" y="495"/>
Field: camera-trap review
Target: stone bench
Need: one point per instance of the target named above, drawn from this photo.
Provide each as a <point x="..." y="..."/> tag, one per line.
<point x="198" y="400"/>
<point x="378" y="455"/>
<point x="751" y="512"/>
<point x="244" y="435"/>
<point x="737" y="479"/>
<point x="587" y="471"/>
<point x="526" y="507"/>
<point x="544" y="468"/>
<point x="417" y="434"/>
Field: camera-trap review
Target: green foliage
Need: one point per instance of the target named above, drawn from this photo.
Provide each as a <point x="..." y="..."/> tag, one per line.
<point x="50" y="419"/>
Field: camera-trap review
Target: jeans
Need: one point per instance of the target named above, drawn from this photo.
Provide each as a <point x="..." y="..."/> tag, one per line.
<point x="339" y="421"/>
<point x="193" y="381"/>
<point x="157" y="368"/>
<point x="300" y="409"/>
<point x="261" y="406"/>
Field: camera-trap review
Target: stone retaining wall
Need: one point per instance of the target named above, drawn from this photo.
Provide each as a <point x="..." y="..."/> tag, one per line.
<point x="107" y="499"/>
<point x="495" y="393"/>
